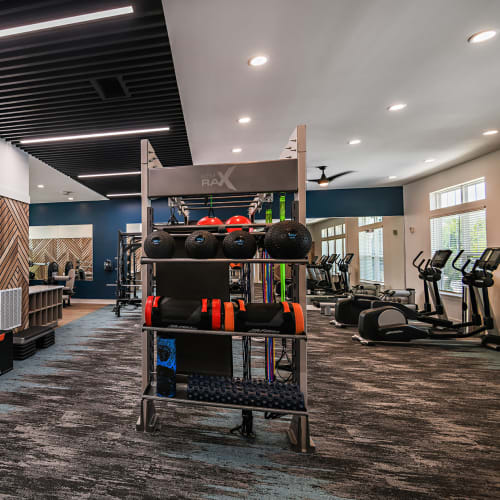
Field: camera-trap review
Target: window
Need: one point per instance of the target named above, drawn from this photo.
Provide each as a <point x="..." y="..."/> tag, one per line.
<point x="464" y="231"/>
<point x="457" y="195"/>
<point x="371" y="255"/>
<point x="366" y="221"/>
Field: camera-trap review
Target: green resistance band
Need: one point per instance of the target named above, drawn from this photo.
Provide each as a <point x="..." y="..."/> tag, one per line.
<point x="282" y="266"/>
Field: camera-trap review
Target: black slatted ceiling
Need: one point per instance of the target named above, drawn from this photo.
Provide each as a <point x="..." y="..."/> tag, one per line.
<point x="47" y="88"/>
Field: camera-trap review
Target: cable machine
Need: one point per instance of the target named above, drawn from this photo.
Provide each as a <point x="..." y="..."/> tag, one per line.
<point x="209" y="351"/>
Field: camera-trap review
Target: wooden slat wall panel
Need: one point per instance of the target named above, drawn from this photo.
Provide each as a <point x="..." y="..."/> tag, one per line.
<point x="61" y="250"/>
<point x="14" y="237"/>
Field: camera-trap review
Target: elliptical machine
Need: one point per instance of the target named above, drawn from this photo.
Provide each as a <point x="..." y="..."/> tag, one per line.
<point x="483" y="276"/>
<point x="340" y="288"/>
<point x="319" y="279"/>
<point x="390" y="324"/>
<point x="348" y="309"/>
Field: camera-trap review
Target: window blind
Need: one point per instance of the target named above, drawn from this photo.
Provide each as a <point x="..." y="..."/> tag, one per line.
<point x="371" y="255"/>
<point x="465" y="231"/>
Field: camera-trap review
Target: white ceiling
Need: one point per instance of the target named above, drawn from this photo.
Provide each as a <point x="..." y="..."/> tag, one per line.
<point x="55" y="183"/>
<point x="336" y="65"/>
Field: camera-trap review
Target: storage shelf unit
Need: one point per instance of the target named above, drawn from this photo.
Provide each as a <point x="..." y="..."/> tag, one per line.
<point x="45" y="305"/>
<point x="285" y="175"/>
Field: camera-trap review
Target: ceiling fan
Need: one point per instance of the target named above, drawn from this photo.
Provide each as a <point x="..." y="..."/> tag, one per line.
<point x="324" y="181"/>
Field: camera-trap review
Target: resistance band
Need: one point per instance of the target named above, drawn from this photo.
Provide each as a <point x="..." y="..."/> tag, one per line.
<point x="282" y="266"/>
<point x="267" y="282"/>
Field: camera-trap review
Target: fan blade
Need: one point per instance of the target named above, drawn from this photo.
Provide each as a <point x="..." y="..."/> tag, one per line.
<point x="313" y="180"/>
<point x="330" y="179"/>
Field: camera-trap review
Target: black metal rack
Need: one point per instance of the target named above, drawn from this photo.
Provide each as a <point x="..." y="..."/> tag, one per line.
<point x="127" y="283"/>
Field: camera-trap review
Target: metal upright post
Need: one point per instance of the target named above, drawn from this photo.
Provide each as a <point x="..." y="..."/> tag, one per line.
<point x="298" y="432"/>
<point x="147" y="421"/>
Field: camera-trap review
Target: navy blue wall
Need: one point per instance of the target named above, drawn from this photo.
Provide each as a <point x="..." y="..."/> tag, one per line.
<point x="107" y="217"/>
<point x="355" y="202"/>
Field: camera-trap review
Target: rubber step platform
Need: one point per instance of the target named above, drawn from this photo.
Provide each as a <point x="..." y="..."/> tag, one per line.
<point x="28" y="341"/>
<point x="24" y="352"/>
<point x="45" y="342"/>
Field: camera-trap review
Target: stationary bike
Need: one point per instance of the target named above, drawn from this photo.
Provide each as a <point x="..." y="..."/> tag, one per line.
<point x="389" y="324"/>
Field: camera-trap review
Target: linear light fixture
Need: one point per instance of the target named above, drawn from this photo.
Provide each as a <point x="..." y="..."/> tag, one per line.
<point x="88" y="176"/>
<point x="117" y="195"/>
<point x="93" y="136"/>
<point x="65" y="21"/>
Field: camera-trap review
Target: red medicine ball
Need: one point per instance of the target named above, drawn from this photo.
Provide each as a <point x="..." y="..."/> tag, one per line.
<point x="209" y="221"/>
<point x="237" y="219"/>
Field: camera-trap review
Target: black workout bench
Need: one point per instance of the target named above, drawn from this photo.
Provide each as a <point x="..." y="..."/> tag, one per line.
<point x="28" y="341"/>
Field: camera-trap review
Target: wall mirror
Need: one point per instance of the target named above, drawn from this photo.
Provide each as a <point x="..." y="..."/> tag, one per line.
<point x="375" y="242"/>
<point x="68" y="246"/>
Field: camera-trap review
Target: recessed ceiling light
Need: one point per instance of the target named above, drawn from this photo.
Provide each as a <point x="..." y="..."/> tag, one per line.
<point x="353" y="142"/>
<point x="257" y="61"/>
<point x="65" y="21"/>
<point x="41" y="186"/>
<point x="244" y="119"/>
<point x="87" y="176"/>
<point x="70" y="198"/>
<point x="430" y="160"/>
<point x="93" y="136"/>
<point x="116" y="195"/>
<point x="393" y="176"/>
<point x="236" y="150"/>
<point x="482" y="36"/>
<point x="490" y="132"/>
<point x="397" y="107"/>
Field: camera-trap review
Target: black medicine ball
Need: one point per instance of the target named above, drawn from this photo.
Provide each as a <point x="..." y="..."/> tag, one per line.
<point x="288" y="240"/>
<point x="159" y="245"/>
<point x="201" y="245"/>
<point x="239" y="245"/>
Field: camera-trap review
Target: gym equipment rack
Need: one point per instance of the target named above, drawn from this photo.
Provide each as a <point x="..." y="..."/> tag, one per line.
<point x="178" y="184"/>
<point x="126" y="271"/>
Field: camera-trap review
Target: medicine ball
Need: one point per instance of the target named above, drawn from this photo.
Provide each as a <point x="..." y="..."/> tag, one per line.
<point x="288" y="240"/>
<point x="239" y="245"/>
<point x="237" y="219"/>
<point x="159" y="245"/>
<point x="201" y="245"/>
<point x="209" y="221"/>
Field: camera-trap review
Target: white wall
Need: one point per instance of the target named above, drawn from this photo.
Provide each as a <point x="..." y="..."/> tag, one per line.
<point x="394" y="252"/>
<point x="417" y="215"/>
<point x="14" y="173"/>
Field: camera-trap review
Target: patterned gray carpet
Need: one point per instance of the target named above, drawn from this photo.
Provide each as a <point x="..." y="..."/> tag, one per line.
<point x="388" y="422"/>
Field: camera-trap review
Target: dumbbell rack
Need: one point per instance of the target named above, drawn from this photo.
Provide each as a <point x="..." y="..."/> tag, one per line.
<point x="285" y="175"/>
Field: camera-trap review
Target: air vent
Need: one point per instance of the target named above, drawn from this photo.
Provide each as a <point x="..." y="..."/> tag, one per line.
<point x="111" y="87"/>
